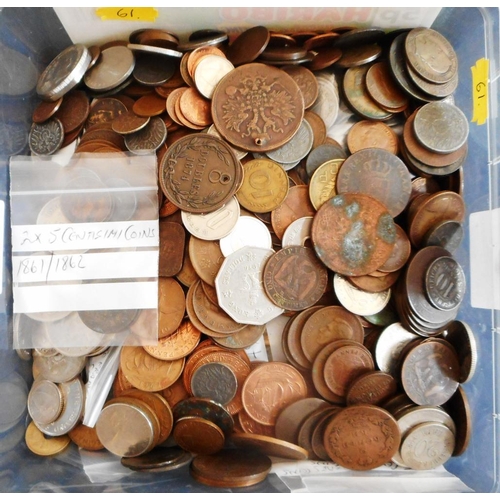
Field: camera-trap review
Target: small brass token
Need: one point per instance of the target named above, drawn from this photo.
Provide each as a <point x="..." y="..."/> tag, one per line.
<point x="40" y="445"/>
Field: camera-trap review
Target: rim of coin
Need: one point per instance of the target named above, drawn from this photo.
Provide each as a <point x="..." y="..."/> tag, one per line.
<point x="39" y="444"/>
<point x="198" y="435"/>
<point x="158" y="459"/>
<point x="155" y="50"/>
<point x="270" y="446"/>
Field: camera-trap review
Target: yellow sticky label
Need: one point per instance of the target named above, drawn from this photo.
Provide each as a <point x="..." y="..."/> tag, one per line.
<point x="147" y="14"/>
<point x="480" y="91"/>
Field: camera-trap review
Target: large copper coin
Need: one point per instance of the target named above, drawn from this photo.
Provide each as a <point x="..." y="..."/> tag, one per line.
<point x="353" y="234"/>
<point x="380" y="174"/>
<point x="294" y="278"/>
<point x="362" y="437"/>
<point x="86" y="438"/>
<point x="231" y="468"/>
<point x="198" y="435"/>
<point x="257" y="107"/>
<point x="430" y="373"/>
<point x="73" y="111"/>
<point x="383" y="89"/>
<point x="248" y="45"/>
<point x="270" y="388"/>
<point x="199" y="173"/>
<point x="370" y="134"/>
<point x="372" y="388"/>
<point x="306" y="80"/>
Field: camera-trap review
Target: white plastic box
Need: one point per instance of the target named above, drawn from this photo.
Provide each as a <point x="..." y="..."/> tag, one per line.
<point x="31" y="37"/>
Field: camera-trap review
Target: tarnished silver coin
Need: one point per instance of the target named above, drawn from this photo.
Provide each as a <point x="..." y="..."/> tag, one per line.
<point x="64" y="72"/>
<point x="322" y="154"/>
<point x="248" y="231"/>
<point x="74" y="402"/>
<point x="297" y="233"/>
<point x="445" y="283"/>
<point x="124" y="199"/>
<point x="46" y="138"/>
<point x="441" y="127"/>
<point x="327" y="102"/>
<point x="151" y="49"/>
<point x="45" y="402"/>
<point x="447" y="234"/>
<point x="297" y="147"/>
<point x="114" y="66"/>
<point x="240" y="289"/>
<point x="214" y="381"/>
<point x="59" y="368"/>
<point x="427" y="446"/>
<point x="148" y="139"/>
<point x="153" y="69"/>
<point x="112" y="321"/>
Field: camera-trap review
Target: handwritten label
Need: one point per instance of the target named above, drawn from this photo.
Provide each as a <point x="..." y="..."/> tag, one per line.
<point x="480" y="91"/>
<point x="145" y="14"/>
<point x="92" y="235"/>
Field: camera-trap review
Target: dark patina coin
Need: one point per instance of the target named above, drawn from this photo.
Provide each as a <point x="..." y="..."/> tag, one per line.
<point x="73" y="111"/>
<point x="461" y="337"/>
<point x="248" y="46"/>
<point x="214" y="381"/>
<point x="445" y="283"/>
<point x="149" y="138"/>
<point x="257" y="107"/>
<point x="109" y="321"/>
<point x="158" y="460"/>
<point x="46" y="138"/>
<point x="447" y="234"/>
<point x="294" y="278"/>
<point x="105" y="110"/>
<point x="199" y="173"/>
<point x="353" y="234"/>
<point x="153" y="69"/>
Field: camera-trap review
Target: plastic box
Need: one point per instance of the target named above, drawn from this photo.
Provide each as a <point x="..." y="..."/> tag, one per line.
<point x="31" y="37"/>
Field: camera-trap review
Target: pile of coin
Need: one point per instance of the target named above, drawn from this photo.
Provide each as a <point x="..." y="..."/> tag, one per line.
<point x="264" y="214"/>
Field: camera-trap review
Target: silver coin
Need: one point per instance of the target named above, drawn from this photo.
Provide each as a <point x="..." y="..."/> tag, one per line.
<point x="461" y="337"/>
<point x="322" y="154"/>
<point x="148" y="139"/>
<point x="154" y="50"/>
<point x="441" y="127"/>
<point x="297" y="233"/>
<point x="114" y="66"/>
<point x="327" y="102"/>
<point x="45" y="402"/>
<point x="285" y="166"/>
<point x="214" y="381"/>
<point x="64" y="72"/>
<point x="216" y="38"/>
<point x="447" y="234"/>
<point x="209" y="72"/>
<point x="434" y="89"/>
<point x="248" y="231"/>
<point x="124" y="199"/>
<point x="427" y="446"/>
<point x="153" y="69"/>
<point x="214" y="225"/>
<point x="59" y="368"/>
<point x="51" y="213"/>
<point x="74" y="402"/>
<point x="240" y="290"/>
<point x="445" y="283"/>
<point x="296" y="148"/>
<point x="46" y="138"/>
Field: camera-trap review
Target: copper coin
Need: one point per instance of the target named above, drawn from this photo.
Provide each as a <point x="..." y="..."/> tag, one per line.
<point x="296" y="205"/>
<point x="108" y="135"/>
<point x="172" y="238"/>
<point x="120" y="384"/>
<point x="282" y="54"/>
<point x="306" y="81"/>
<point x="307" y="427"/>
<point x="270" y="388"/>
<point x="369" y="134"/>
<point x="344" y="365"/>
<point x="362" y="437"/>
<point x="74" y="110"/>
<point x="196" y="55"/>
<point x="317" y="446"/>
<point x="257" y="107"/>
<point x="175" y="393"/>
<point x="400" y="252"/>
<point x="321" y="40"/>
<point x="373" y="388"/>
<point x="178" y="345"/>
<point x="182" y="118"/>
<point x="378" y="173"/>
<point x="71" y="137"/>
<point x="195" y="107"/>
<point x="281" y="40"/>
<point x="459" y="409"/>
<point x="318" y="127"/>
<point x="198" y="435"/>
<point x="239" y="469"/>
<point x="374" y="284"/>
<point x="363" y="234"/>
<point x="294" y="278"/>
<point x="150" y="105"/>
<point x="383" y="89"/>
<point x="359" y="55"/>
<point x="86" y="438"/>
<point x="103" y="110"/>
<point x="172" y="99"/>
<point x="205" y="179"/>
<point x="46" y="110"/>
<point x="438" y="207"/>
<point x="327" y="325"/>
<point x="430" y="373"/>
<point x="156" y="37"/>
<point x="461" y="337"/>
<point x="206" y="258"/>
<point x="158" y="460"/>
<point x="250" y="426"/>
<point x="129" y="122"/>
<point x="270" y="446"/>
<point x="324" y="58"/>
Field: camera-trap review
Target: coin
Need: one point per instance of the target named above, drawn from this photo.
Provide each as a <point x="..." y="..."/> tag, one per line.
<point x="44" y="401"/>
<point x="206" y="258"/>
<point x="445" y="283"/>
<point x="240" y="469"/>
<point x="129" y="122"/>
<point x="306" y="81"/>
<point x="214" y="381"/>
<point x="383" y="88"/>
<point x="446" y="234"/>
<point x="272" y="93"/>
<point x="111" y="321"/>
<point x="460" y="410"/>
<point x="400" y="252"/>
<point x="198" y="435"/>
<point x="297" y="146"/>
<point x="86" y="438"/>
<point x="248" y="231"/>
<point x="209" y="72"/>
<point x="297" y="233"/>
<point x="154" y="50"/>
<point x="59" y="368"/>
<point x="327" y="102"/>
<point x="461" y="337"/>
<point x="46" y="138"/>
<point x="270" y="446"/>
<point x="148" y="139"/>
<point x="194" y="108"/>
<point x="178" y="345"/>
<point x="153" y="69"/>
<point x="361" y="437"/>
<point x="39" y="444"/>
<point x="172" y="238"/>
<point x="369" y="134"/>
<point x="73" y="111"/>
<point x="158" y="460"/>
<point x="294" y="278"/>
<point x="372" y="388"/>
<point x="323" y="183"/>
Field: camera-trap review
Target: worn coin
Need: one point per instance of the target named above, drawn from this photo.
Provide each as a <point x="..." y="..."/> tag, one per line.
<point x="297" y="146"/>
<point x="372" y="388"/>
<point x="209" y="72"/>
<point x="446" y="234"/>
<point x="86" y="438"/>
<point x="129" y="122"/>
<point x="323" y="183"/>
<point x="359" y="55"/>
<point x="327" y="102"/>
<point x="214" y="381"/>
<point x="178" y="345"/>
<point x="270" y="446"/>
<point x="322" y="154"/>
<point x="159" y="459"/>
<point x="206" y="258"/>
<point x="59" y="368"/>
<point x="46" y="138"/>
<point x="400" y="253"/>
<point x="248" y="231"/>
<point x="73" y="111"/>
<point x="445" y="283"/>
<point x="194" y="108"/>
<point x="148" y="139"/>
<point x="153" y="69"/>
<point x="41" y="445"/>
<point x="461" y="337"/>
<point x="44" y="401"/>
<point x="46" y="110"/>
<point x="111" y="321"/>
<point x="369" y="134"/>
<point x="172" y="238"/>
<point x="459" y="409"/>
<point x="383" y="89"/>
<point x="306" y="80"/>
<point x="198" y="435"/>
<point x="150" y="49"/>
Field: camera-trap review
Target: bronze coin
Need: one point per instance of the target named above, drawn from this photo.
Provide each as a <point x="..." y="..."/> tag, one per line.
<point x="430" y="373"/>
<point x="317" y="446"/>
<point x="307" y="427"/>
<point x="103" y="134"/>
<point x="378" y="173"/>
<point x="103" y="110"/>
<point x="369" y="134"/>
<point x="296" y="205"/>
<point x="372" y="388"/>
<point x="281" y="40"/>
<point x="206" y="258"/>
<point x="239" y="469"/>
<point x="294" y="278"/>
<point x="74" y="110"/>
<point x="46" y="110"/>
<point x="172" y="238"/>
<point x="195" y="107"/>
<point x="318" y="127"/>
<point x="198" y="435"/>
<point x="150" y="105"/>
<point x="86" y="438"/>
<point x="108" y="321"/>
<point x="178" y="345"/>
<point x="203" y="180"/>
<point x="155" y="37"/>
<point x="129" y="122"/>
<point x="243" y="338"/>
<point x="324" y="58"/>
<point x="250" y="426"/>
<point x="306" y="81"/>
<point x="327" y="325"/>
<point x="248" y="45"/>
<point x="270" y="446"/>
<point x="257" y="107"/>
<point x="374" y="284"/>
<point x="400" y="253"/>
<point x="282" y="54"/>
<point x="359" y="55"/>
<point x="172" y="99"/>
<point x="383" y="89"/>
<point x="72" y="136"/>
<point x="362" y="437"/>
<point x="353" y="234"/>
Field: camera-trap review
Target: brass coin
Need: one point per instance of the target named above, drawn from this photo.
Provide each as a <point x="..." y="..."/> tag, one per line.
<point x="40" y="445"/>
<point x="269" y="92"/>
<point x="264" y="187"/>
<point x="323" y="184"/>
<point x="198" y="435"/>
<point x="270" y="446"/>
<point x="369" y="134"/>
<point x="363" y="234"/>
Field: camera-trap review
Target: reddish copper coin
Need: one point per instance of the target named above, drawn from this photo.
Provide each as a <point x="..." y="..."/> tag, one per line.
<point x="371" y="134"/>
<point x="257" y="107"/>
<point x="104" y="110"/>
<point x="200" y="173"/>
<point x="250" y="426"/>
<point x="374" y="284"/>
<point x="171" y="306"/>
<point x="306" y="80"/>
<point x="129" y="122"/>
<point x="362" y="437"/>
<point x="372" y="388"/>
<point x="46" y="110"/>
<point x="198" y="435"/>
<point x="324" y="58"/>
<point x="172" y="237"/>
<point x="195" y="107"/>
<point x="383" y="89"/>
<point x="400" y="253"/>
<point x="150" y="105"/>
<point x="270" y="446"/>
<point x="74" y="110"/>
<point x="86" y="438"/>
<point x="353" y="234"/>
<point x="318" y="127"/>
<point x="178" y="345"/>
<point x="248" y="45"/>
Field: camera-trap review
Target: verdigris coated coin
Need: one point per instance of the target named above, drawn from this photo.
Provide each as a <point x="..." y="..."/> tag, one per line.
<point x="46" y="138"/>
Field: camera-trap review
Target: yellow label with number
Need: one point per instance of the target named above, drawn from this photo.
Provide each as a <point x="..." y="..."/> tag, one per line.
<point x="147" y="14"/>
<point x="480" y="91"/>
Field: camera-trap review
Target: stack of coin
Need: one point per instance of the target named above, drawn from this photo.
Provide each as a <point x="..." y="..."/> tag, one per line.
<point x="263" y="213"/>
